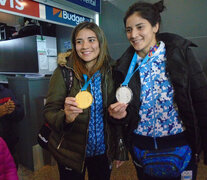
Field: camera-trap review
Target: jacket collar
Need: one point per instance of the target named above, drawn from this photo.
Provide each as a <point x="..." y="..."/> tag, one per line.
<point x="175" y="40"/>
<point x="171" y="41"/>
<point x="125" y="60"/>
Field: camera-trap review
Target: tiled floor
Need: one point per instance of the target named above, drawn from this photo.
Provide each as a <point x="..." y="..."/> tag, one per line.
<point x="125" y="172"/>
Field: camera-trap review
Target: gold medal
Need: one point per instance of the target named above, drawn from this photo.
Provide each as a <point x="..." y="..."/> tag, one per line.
<point x="84" y="99"/>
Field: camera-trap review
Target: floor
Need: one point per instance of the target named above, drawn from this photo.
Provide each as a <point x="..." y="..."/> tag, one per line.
<point x="125" y="172"/>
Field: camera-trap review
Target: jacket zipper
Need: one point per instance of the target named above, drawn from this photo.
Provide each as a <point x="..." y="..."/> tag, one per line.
<point x="153" y="99"/>
<point x="61" y="140"/>
<point x="194" y="117"/>
<point x="84" y="157"/>
<point x="163" y="155"/>
<point x="155" y="163"/>
<point x="85" y="151"/>
<point x="106" y="125"/>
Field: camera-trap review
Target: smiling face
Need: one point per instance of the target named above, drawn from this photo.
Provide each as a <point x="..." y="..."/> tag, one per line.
<point x="87" y="47"/>
<point x="141" y="34"/>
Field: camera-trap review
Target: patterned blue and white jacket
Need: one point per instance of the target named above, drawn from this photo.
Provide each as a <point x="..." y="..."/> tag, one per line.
<point x="189" y="84"/>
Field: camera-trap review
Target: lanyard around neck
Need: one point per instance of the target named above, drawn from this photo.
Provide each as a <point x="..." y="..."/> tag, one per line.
<point x="85" y="86"/>
<point x="132" y="65"/>
<point x="131" y="70"/>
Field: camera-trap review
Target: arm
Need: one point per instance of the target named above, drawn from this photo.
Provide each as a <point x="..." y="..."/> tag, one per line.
<point x="118" y="118"/>
<point x="60" y="111"/>
<point x="12" y="108"/>
<point x="53" y="111"/>
<point x="121" y="113"/>
<point x="3" y="110"/>
<point x="198" y="90"/>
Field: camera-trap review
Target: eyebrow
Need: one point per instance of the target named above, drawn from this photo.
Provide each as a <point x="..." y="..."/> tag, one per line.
<point x="90" y="37"/>
<point x="135" y="25"/>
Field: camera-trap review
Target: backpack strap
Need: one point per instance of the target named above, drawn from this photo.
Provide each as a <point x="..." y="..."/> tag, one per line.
<point x="68" y="78"/>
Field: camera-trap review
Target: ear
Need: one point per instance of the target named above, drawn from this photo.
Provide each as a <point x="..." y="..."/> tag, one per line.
<point x="156" y="28"/>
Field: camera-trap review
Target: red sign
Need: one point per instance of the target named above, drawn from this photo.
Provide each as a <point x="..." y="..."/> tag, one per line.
<point x="27" y="7"/>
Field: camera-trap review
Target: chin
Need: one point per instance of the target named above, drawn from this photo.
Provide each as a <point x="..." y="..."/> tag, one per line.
<point x="137" y="47"/>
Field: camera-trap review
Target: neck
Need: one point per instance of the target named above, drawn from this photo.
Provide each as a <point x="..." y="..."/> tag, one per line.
<point x="144" y="52"/>
<point x="89" y="65"/>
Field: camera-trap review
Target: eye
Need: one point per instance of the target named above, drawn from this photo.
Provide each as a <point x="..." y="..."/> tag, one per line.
<point x="78" y="41"/>
<point x="140" y="27"/>
<point x="92" y="40"/>
<point x="128" y="30"/>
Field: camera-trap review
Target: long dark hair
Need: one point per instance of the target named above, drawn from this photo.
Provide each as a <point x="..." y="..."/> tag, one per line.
<point x="103" y="58"/>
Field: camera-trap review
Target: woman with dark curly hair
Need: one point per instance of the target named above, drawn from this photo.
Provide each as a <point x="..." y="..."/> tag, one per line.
<point x="165" y="88"/>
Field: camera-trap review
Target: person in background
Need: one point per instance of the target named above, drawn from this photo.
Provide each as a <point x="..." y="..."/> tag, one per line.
<point x="8" y="169"/>
<point x="11" y="112"/>
<point x="166" y="92"/>
<point x="81" y="135"/>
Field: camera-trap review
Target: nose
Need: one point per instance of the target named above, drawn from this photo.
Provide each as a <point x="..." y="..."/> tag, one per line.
<point x="85" y="44"/>
<point x="134" y="33"/>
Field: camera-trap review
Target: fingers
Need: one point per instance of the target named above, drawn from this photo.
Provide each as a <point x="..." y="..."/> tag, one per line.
<point x="71" y="110"/>
<point x="9" y="106"/>
<point x="71" y="105"/>
<point x="118" y="110"/>
<point x="70" y="101"/>
<point x="117" y="107"/>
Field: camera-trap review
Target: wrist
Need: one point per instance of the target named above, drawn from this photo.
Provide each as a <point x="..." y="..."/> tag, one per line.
<point x="4" y="110"/>
<point x="68" y="120"/>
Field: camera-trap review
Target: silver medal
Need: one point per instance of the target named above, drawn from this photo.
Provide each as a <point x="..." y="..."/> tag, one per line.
<point x="124" y="94"/>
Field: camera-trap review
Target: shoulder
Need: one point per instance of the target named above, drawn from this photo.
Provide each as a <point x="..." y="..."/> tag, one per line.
<point x="174" y="40"/>
<point x="124" y="61"/>
<point x="57" y="74"/>
<point x="111" y="63"/>
<point x="128" y="53"/>
<point x="57" y="79"/>
<point x="3" y="147"/>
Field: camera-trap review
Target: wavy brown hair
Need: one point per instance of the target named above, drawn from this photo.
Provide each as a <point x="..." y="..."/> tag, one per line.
<point x="102" y="60"/>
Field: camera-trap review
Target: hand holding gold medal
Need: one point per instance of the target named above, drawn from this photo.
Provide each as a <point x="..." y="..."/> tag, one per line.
<point x="84" y="98"/>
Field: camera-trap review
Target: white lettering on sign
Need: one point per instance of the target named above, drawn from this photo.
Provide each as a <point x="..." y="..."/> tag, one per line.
<point x="73" y="17"/>
<point x="3" y="2"/>
<point x="91" y="2"/>
<point x="13" y="4"/>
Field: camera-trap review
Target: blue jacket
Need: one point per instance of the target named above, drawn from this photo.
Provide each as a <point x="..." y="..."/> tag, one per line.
<point x="190" y="89"/>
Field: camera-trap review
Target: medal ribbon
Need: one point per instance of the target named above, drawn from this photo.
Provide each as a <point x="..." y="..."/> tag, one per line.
<point x="131" y="70"/>
<point x="84" y="88"/>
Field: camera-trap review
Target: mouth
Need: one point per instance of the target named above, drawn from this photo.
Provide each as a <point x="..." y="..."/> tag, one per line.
<point x="136" y="41"/>
<point x="86" y="52"/>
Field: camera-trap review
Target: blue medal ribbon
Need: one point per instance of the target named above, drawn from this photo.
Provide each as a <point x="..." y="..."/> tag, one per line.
<point x="84" y="88"/>
<point x="131" y="71"/>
